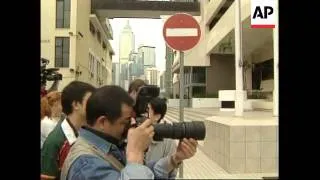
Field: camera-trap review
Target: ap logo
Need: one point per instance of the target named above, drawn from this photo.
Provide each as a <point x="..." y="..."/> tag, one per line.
<point x="263" y="13"/>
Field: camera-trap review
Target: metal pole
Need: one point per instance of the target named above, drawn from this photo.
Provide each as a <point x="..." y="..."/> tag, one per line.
<point x="276" y="62"/>
<point x="181" y="95"/>
<point x="238" y="61"/>
<point x="191" y="87"/>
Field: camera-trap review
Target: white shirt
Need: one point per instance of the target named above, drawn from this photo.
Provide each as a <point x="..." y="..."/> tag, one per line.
<point x="47" y="125"/>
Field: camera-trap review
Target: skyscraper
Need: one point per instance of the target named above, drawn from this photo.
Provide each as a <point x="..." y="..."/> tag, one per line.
<point x="168" y="72"/>
<point x="151" y="75"/>
<point x="133" y="67"/>
<point x="126" y="43"/>
<point x="126" y="46"/>
<point x="148" y="55"/>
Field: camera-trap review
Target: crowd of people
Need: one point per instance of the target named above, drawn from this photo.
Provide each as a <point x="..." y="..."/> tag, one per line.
<point x="89" y="133"/>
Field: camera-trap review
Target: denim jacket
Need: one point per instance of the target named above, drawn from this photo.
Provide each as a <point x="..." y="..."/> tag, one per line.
<point x="91" y="167"/>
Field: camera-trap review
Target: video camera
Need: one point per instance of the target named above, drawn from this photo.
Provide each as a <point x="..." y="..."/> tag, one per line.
<point x="49" y="74"/>
<point x="194" y="129"/>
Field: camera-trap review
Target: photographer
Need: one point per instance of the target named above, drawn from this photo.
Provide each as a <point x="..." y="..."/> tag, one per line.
<point x="156" y="110"/>
<point x="48" y="74"/>
<point x="134" y="88"/>
<point x="166" y="150"/>
<point x="98" y="152"/>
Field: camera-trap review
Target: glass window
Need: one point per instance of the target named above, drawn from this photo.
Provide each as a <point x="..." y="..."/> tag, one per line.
<point x="99" y="36"/>
<point x="62" y="52"/>
<point x="63" y="13"/>
<point x="92" y="29"/>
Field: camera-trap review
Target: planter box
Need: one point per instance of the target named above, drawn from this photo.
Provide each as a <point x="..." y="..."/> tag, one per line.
<point x="252" y="104"/>
<point x="176" y="102"/>
<point x="242" y="147"/>
<point x="205" y="102"/>
<point x="262" y="104"/>
<point x="227" y="99"/>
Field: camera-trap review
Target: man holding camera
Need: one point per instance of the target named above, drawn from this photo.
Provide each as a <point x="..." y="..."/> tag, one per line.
<point x="99" y="152"/>
<point x="167" y="148"/>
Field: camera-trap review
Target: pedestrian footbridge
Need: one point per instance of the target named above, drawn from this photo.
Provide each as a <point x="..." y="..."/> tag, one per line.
<point x="143" y="8"/>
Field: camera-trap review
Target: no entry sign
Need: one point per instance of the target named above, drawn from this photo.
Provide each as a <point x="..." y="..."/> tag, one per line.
<point x="181" y="32"/>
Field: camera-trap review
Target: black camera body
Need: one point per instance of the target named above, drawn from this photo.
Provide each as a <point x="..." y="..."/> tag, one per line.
<point x="49" y="74"/>
<point x="145" y="94"/>
<point x="194" y="129"/>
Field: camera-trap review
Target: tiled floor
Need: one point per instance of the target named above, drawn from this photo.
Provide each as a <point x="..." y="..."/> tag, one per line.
<point x="200" y="166"/>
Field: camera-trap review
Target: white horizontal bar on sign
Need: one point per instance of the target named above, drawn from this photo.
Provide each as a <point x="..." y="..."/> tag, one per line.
<point x="181" y="32"/>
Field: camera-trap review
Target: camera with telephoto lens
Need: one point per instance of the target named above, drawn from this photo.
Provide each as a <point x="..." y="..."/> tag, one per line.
<point x="49" y="74"/>
<point x="194" y="129"/>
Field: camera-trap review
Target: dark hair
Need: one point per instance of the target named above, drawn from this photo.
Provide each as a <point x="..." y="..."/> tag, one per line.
<point x="107" y="100"/>
<point x="159" y="106"/>
<point x="135" y="85"/>
<point x="74" y="92"/>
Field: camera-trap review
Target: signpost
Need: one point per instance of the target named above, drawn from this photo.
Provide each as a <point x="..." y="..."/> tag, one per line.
<point x="181" y="32"/>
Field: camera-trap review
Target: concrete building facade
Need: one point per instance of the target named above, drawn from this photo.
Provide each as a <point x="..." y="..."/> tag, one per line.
<point x="76" y="42"/>
<point x="249" y="146"/>
<point x="214" y="56"/>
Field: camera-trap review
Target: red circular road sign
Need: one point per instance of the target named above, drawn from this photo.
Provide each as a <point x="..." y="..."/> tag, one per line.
<point x="181" y="32"/>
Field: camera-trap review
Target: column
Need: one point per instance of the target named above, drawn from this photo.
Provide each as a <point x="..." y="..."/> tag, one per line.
<point x="276" y="62"/>
<point x="239" y="95"/>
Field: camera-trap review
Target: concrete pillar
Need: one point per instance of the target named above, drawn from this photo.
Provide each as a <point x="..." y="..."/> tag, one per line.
<point x="239" y="96"/>
<point x="276" y="62"/>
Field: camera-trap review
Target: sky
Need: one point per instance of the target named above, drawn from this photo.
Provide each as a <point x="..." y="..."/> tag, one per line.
<point x="146" y="31"/>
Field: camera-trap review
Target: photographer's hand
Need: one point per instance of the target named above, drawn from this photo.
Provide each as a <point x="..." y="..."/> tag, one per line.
<point x="185" y="150"/>
<point x="139" y="140"/>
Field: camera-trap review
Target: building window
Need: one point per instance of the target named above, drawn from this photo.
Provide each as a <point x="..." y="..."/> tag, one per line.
<point x="92" y="29"/>
<point x="91" y="65"/>
<point x="62" y="48"/>
<point x="110" y="56"/>
<point x="98" y="70"/>
<point x="99" y="36"/>
<point x="63" y="13"/>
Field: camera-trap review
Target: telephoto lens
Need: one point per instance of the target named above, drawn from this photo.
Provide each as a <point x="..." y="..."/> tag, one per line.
<point x="195" y="130"/>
